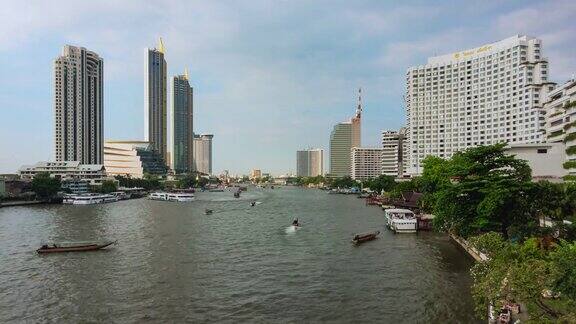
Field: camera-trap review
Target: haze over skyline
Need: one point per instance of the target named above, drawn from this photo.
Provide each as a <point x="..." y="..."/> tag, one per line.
<point x="269" y="77"/>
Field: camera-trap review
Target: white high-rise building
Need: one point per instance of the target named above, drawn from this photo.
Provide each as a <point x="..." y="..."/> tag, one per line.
<point x="310" y="163"/>
<point x="366" y="163"/>
<point x="485" y="95"/>
<point x="394" y="152"/>
<point x="155" y="100"/>
<point x="79" y="106"/>
<point x="203" y="153"/>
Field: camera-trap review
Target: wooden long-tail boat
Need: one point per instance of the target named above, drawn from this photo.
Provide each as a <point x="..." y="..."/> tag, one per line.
<point x="361" y="238"/>
<point x="74" y="247"/>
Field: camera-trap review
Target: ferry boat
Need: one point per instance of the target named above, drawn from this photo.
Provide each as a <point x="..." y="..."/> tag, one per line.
<point x="88" y="199"/>
<point x="401" y="220"/>
<point x="169" y="196"/>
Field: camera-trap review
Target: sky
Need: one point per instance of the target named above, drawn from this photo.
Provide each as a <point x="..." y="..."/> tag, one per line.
<point x="269" y="77"/>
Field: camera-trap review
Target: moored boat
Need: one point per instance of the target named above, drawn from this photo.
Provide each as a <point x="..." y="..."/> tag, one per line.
<point x="169" y="196"/>
<point x="74" y="247"/>
<point x="365" y="237"/>
<point x="208" y="211"/>
<point x="401" y="220"/>
<point x="88" y="199"/>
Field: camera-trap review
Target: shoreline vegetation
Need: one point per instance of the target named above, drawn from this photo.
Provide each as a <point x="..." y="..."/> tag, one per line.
<point x="525" y="230"/>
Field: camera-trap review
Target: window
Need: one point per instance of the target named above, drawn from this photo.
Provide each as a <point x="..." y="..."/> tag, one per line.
<point x="542" y="151"/>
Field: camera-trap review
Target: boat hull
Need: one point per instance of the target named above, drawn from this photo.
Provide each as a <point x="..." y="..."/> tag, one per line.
<point x="83" y="248"/>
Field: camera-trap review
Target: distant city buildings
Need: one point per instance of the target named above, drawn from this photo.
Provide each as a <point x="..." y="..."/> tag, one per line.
<point x="79" y="106"/>
<point x="132" y="158"/>
<point x="310" y="163"/>
<point x="155" y="99"/>
<point x="255" y="174"/>
<point x="366" y="163"/>
<point x="394" y="152"/>
<point x="182" y="155"/>
<point x="343" y="138"/>
<point x="486" y="95"/>
<point x="203" y="153"/>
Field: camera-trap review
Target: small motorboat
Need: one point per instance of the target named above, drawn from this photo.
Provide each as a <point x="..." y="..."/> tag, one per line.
<point x="74" y="247"/>
<point x="361" y="238"/>
<point x="252" y="204"/>
<point x="208" y="211"/>
<point x="296" y="223"/>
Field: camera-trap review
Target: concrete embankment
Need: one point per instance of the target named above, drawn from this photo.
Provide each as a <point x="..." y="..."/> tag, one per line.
<point x="465" y="245"/>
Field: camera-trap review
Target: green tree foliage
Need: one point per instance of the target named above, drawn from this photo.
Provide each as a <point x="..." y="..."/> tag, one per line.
<point x="523" y="271"/>
<point x="108" y="186"/>
<point x="149" y="182"/>
<point x="344" y="182"/>
<point x="382" y="183"/>
<point x="45" y="186"/>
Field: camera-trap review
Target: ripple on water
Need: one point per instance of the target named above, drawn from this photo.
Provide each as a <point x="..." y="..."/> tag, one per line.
<point x="240" y="264"/>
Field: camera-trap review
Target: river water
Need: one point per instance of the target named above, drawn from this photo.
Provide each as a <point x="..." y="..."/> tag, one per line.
<point x="174" y="264"/>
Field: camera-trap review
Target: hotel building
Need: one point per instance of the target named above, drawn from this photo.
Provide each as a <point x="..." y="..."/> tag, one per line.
<point x="79" y="106"/>
<point x="343" y="138"/>
<point x="181" y="94"/>
<point x="394" y="152"/>
<point x="366" y="163"/>
<point x="155" y="95"/>
<point x="310" y="163"/>
<point x="486" y="95"/>
<point x="203" y="153"/>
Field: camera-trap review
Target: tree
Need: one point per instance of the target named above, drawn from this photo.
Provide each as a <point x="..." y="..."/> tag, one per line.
<point x="45" y="186"/>
<point x="382" y="183"/>
<point x="108" y="186"/>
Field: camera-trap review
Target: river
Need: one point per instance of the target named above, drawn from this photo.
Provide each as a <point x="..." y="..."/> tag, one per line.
<point x="172" y="263"/>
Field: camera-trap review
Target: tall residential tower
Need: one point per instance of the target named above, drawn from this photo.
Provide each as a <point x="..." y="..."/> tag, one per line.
<point x="310" y="163"/>
<point x="79" y="106"/>
<point x="482" y="96"/>
<point x="181" y="94"/>
<point x="155" y="95"/>
<point x="203" y="153"/>
<point x="343" y="138"/>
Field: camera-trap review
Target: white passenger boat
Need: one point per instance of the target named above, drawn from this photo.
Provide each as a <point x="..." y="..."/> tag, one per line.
<point x="168" y="196"/>
<point x="401" y="220"/>
<point x="88" y="199"/>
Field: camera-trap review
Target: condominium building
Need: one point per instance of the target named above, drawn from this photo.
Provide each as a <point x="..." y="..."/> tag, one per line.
<point x="79" y="106"/>
<point x="182" y="155"/>
<point x="155" y="95"/>
<point x="394" y="152"/>
<point x="560" y="107"/>
<point x="132" y="158"/>
<point x="366" y="163"/>
<point x="310" y="163"/>
<point x="343" y="138"/>
<point x="203" y="153"/>
<point x="486" y="95"/>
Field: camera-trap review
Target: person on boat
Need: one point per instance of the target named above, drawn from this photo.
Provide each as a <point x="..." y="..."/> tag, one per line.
<point x="45" y="246"/>
<point x="295" y="222"/>
<point x="357" y="237"/>
<point x="253" y="204"/>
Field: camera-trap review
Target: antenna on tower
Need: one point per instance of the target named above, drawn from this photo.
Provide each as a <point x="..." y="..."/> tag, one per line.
<point x="359" y="108"/>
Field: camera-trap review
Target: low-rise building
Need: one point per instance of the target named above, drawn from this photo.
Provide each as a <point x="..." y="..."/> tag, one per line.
<point x="64" y="170"/>
<point x="545" y="159"/>
<point x="255" y="174"/>
<point x="366" y="163"/>
<point x="76" y="186"/>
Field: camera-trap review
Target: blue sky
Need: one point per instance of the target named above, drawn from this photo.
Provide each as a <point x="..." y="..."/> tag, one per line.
<point x="270" y="77"/>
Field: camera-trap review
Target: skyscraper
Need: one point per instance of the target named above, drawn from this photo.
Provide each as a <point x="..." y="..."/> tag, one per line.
<point x="181" y="94"/>
<point x="482" y="96"/>
<point x="79" y="106"/>
<point x="310" y="163"/>
<point x="155" y="95"/>
<point x="203" y="153"/>
<point x="343" y="138"/>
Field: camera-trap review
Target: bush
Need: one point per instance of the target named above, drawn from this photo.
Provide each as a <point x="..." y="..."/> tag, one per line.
<point x="569" y="164"/>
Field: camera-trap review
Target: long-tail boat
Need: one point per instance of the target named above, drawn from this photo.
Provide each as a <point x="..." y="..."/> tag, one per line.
<point x="74" y="247"/>
<point x="365" y="237"/>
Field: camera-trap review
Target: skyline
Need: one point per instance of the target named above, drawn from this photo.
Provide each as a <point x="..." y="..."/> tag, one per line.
<point x="257" y="95"/>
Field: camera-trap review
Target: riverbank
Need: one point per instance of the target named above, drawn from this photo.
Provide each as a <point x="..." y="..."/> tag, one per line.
<point x="22" y="203"/>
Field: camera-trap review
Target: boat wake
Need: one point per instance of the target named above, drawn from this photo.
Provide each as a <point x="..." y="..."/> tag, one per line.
<point x="292" y="229"/>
